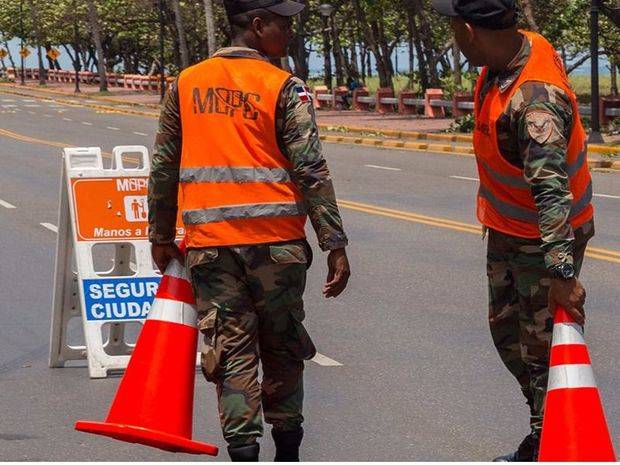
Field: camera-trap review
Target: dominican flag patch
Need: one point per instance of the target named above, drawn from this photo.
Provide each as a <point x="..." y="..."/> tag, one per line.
<point x="305" y="94"/>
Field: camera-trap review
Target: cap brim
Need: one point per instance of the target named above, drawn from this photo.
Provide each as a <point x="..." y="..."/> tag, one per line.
<point x="287" y="8"/>
<point x="445" y="7"/>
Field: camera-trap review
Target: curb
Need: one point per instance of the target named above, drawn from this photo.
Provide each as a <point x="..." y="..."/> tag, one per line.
<point x="438" y="148"/>
<point x="594" y="148"/>
<point x="81" y="96"/>
<point x="14" y="91"/>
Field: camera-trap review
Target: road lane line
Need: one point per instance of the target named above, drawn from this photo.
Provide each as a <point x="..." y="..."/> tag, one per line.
<point x="604" y="196"/>
<point x="32" y="105"/>
<point x="86" y="123"/>
<point x="379" y="167"/>
<point x="6" y="204"/>
<point x="48" y="116"/>
<point x="465" y="178"/>
<point x="608" y="255"/>
<point x="8" y="100"/>
<point x="67" y="119"/>
<point x="111" y="128"/>
<point x="9" y="106"/>
<point x="324" y="361"/>
<point x="139" y="133"/>
<point x="50" y="226"/>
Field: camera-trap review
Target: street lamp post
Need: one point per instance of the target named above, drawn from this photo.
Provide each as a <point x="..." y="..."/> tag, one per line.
<point x="76" y="48"/>
<point x="21" y="53"/>
<point x="162" y="77"/>
<point x="595" y="134"/>
<point x="326" y="11"/>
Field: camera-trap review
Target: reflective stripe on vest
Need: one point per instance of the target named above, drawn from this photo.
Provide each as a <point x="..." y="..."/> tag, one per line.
<point x="527" y="215"/>
<point x="221" y="174"/>
<point x="505" y="201"/>
<point x="236" y="212"/>
<point x="236" y="185"/>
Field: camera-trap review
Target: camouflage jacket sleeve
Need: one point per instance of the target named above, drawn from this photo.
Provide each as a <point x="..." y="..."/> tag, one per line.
<point x="299" y="141"/>
<point x="544" y="124"/>
<point x="164" y="179"/>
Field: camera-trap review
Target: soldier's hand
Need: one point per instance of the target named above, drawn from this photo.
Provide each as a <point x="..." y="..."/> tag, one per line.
<point x="163" y="254"/>
<point x="338" y="274"/>
<point x="569" y="294"/>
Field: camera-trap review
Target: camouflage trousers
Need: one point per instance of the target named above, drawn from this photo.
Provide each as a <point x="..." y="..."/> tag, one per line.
<point x="250" y="307"/>
<point x="520" y="320"/>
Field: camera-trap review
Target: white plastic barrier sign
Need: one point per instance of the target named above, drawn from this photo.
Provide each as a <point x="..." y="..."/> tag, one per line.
<point x="102" y="210"/>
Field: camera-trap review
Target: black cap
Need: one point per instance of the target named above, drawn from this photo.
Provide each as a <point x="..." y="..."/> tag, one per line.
<point x="279" y="7"/>
<point x="488" y="14"/>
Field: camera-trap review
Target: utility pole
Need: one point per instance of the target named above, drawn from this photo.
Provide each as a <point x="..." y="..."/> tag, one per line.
<point x="76" y="48"/>
<point x="595" y="134"/>
<point x="21" y="54"/>
<point x="162" y="77"/>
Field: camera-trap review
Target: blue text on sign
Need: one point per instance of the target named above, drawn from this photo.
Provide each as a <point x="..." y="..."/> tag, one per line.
<point x="116" y="299"/>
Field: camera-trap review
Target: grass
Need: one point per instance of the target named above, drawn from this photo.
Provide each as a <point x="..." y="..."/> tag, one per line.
<point x="581" y="84"/>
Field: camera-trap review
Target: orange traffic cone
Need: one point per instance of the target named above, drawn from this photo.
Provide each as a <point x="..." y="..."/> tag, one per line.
<point x="154" y="402"/>
<point x="574" y="425"/>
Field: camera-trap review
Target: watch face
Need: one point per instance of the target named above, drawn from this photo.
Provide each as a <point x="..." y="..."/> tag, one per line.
<point x="566" y="271"/>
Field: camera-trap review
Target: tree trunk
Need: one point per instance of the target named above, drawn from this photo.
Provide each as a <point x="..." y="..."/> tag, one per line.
<point x="338" y="55"/>
<point x="209" y="18"/>
<point x="371" y="31"/>
<point x="613" y="65"/>
<point x="93" y="18"/>
<point x="456" y="58"/>
<point x="298" y="50"/>
<point x="37" y="32"/>
<point x="10" y="55"/>
<point x="178" y="20"/>
<point x="422" y="66"/>
<point x="528" y="10"/>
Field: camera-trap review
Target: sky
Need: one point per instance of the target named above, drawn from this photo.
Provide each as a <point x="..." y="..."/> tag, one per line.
<point x="316" y="61"/>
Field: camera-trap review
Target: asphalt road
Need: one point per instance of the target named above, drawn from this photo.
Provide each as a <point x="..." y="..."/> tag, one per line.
<point x="419" y="378"/>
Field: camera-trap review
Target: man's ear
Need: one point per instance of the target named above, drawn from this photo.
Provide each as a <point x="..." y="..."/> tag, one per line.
<point x="470" y="32"/>
<point x="258" y="25"/>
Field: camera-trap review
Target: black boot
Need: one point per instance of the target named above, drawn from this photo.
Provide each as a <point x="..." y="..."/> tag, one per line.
<point x="247" y="453"/>
<point x="287" y="444"/>
<point x="527" y="452"/>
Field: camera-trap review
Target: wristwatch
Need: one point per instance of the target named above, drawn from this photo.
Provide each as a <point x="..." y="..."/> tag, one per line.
<point x="564" y="271"/>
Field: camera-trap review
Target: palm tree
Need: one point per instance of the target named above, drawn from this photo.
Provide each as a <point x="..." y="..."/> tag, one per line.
<point x="211" y="45"/>
<point x="95" y="29"/>
<point x="178" y="19"/>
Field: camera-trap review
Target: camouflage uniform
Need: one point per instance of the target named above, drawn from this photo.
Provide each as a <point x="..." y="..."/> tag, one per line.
<point x="250" y="298"/>
<point x="519" y="269"/>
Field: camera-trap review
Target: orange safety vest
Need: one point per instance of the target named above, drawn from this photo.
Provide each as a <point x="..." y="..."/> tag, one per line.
<point x="505" y="200"/>
<point x="236" y="186"/>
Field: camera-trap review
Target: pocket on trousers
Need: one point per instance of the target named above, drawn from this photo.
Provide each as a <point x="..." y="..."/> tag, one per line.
<point x="300" y="343"/>
<point x="210" y="355"/>
<point x="289" y="254"/>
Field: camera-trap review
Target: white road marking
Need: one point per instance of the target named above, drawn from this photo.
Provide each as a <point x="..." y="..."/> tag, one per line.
<point x="324" y="361"/>
<point x="28" y="100"/>
<point x="86" y="123"/>
<point x="378" y="167"/>
<point x="6" y="204"/>
<point x="465" y="178"/>
<point x="139" y="133"/>
<point x="67" y="119"/>
<point x="48" y="116"/>
<point x="33" y="105"/>
<point x="8" y="100"/>
<point x="112" y="128"/>
<point x="50" y="226"/>
<point x="604" y="196"/>
<point x="9" y="106"/>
